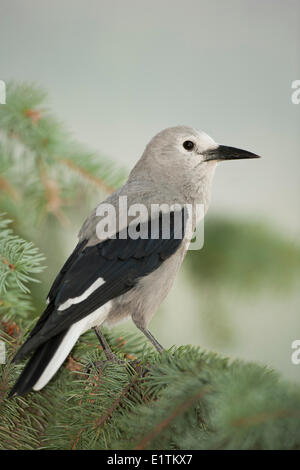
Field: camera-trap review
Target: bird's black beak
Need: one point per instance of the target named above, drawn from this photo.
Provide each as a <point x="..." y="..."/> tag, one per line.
<point x="222" y="152"/>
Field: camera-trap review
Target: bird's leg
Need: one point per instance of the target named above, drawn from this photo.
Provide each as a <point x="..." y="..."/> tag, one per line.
<point x="110" y="356"/>
<point x="151" y="338"/>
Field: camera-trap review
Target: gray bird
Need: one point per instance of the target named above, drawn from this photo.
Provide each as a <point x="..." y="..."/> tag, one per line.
<point x="110" y="275"/>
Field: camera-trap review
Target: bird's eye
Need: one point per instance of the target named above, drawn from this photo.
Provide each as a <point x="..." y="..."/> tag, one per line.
<point x="188" y="145"/>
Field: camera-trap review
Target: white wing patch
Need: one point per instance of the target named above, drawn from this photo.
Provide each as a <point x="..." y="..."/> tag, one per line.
<point x="84" y="296"/>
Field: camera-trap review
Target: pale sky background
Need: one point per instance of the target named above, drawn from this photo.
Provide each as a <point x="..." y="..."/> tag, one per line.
<point x="118" y="71"/>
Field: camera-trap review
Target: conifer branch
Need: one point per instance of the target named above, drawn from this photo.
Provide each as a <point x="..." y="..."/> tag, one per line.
<point x="36" y="143"/>
<point x="89" y="176"/>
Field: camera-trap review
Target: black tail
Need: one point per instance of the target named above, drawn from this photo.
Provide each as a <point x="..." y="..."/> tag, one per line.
<point x="36" y="365"/>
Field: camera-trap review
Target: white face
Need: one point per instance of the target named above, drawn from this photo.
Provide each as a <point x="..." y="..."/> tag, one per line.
<point x="180" y="141"/>
<point x="179" y="151"/>
<point x="184" y="158"/>
<point x="176" y="155"/>
<point x="169" y="161"/>
<point x="194" y="143"/>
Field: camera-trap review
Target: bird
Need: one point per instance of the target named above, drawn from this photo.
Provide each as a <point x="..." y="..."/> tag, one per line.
<point x="111" y="274"/>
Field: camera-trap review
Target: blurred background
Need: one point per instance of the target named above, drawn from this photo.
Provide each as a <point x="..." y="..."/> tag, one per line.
<point x="117" y="73"/>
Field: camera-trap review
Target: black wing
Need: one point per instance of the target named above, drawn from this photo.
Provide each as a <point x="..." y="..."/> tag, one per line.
<point x="120" y="262"/>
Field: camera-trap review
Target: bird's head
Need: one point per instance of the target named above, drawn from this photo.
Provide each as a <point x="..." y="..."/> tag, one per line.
<point x="185" y="157"/>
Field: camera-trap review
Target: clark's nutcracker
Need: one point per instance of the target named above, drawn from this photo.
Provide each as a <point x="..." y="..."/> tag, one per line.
<point x="107" y="279"/>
